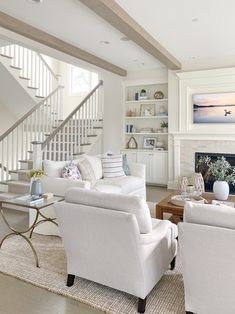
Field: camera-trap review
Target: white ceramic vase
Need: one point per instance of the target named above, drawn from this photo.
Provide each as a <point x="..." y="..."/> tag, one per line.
<point x="221" y="190"/>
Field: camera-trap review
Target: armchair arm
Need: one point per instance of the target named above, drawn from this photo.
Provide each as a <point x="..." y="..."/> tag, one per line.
<point x="137" y="170"/>
<point x="59" y="186"/>
<point x="160" y="227"/>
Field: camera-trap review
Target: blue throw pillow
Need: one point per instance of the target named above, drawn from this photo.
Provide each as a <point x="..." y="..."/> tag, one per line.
<point x="125" y="165"/>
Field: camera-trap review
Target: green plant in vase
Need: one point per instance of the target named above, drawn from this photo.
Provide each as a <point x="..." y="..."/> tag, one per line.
<point x="223" y="173"/>
<point x="164" y="126"/>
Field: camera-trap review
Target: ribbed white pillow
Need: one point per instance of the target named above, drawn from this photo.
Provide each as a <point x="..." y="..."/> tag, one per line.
<point x="112" y="166"/>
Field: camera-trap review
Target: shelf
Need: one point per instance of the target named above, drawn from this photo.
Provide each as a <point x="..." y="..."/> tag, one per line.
<point x="147" y="117"/>
<point x="146" y="133"/>
<point x="146" y="101"/>
<point x="144" y="150"/>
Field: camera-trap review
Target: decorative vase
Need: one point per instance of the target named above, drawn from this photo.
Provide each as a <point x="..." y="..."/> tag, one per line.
<point x="221" y="190"/>
<point x="36" y="188"/>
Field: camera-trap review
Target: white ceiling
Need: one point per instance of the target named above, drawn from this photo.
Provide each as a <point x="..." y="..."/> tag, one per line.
<point x="73" y="22"/>
<point x="208" y="40"/>
<point x="170" y="22"/>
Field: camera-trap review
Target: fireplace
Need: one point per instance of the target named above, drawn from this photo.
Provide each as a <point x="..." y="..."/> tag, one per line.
<point x="209" y="179"/>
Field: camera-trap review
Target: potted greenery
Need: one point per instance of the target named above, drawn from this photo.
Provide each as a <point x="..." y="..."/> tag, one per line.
<point x="143" y="92"/>
<point x="223" y="173"/>
<point x="36" y="185"/>
<point x="164" y="126"/>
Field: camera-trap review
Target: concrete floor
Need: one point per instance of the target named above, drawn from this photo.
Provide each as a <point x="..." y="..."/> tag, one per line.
<point x="19" y="297"/>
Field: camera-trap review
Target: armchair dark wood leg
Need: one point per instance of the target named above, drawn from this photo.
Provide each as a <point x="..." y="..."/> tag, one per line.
<point x="70" y="280"/>
<point x="141" y="305"/>
<point x="173" y="263"/>
<point x="187" y="312"/>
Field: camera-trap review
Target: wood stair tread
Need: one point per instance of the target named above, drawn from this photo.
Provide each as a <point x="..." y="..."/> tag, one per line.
<point x="9" y="57"/>
<point x="26" y="161"/>
<point x="14" y="67"/>
<point x="17" y="182"/>
<point x="24" y="78"/>
<point x="19" y="171"/>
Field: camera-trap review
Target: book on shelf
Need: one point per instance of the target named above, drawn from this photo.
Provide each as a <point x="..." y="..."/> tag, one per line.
<point x="31" y="200"/>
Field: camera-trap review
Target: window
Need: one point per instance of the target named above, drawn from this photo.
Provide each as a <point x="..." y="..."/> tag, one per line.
<point x="81" y="81"/>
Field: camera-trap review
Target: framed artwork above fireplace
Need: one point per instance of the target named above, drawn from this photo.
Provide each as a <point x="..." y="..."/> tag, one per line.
<point x="214" y="108"/>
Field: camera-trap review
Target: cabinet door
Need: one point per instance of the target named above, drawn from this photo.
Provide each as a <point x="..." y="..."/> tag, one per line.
<point x="131" y="156"/>
<point x="160" y="168"/>
<point x="146" y="159"/>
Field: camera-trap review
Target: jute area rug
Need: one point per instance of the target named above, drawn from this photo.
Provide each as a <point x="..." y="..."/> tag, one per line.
<point x="16" y="259"/>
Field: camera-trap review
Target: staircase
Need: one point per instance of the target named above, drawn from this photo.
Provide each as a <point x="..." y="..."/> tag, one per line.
<point x="42" y="133"/>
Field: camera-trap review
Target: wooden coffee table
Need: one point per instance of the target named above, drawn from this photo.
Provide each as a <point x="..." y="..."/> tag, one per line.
<point x="177" y="211"/>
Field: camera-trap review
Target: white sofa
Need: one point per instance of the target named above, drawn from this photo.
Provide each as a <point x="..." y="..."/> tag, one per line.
<point x="132" y="185"/>
<point x="113" y="241"/>
<point x="53" y="182"/>
<point x="206" y="239"/>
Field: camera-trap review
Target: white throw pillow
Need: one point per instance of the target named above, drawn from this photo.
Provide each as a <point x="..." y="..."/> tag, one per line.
<point x="86" y="171"/>
<point x="96" y="165"/>
<point x="112" y="166"/>
<point x="126" y="203"/>
<point x="53" y="168"/>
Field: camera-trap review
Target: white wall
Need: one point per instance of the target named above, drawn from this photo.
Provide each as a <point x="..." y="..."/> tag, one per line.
<point x="113" y="112"/>
<point x="7" y="119"/>
<point x="70" y="102"/>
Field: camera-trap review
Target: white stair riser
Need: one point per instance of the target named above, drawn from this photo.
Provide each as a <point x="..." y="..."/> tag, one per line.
<point x="16" y="73"/>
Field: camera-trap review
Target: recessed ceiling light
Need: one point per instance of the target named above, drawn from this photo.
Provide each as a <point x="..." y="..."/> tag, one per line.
<point x="195" y="19"/>
<point x="124" y="38"/>
<point x="105" y="42"/>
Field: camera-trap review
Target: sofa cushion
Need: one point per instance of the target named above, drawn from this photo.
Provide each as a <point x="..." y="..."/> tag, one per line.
<point x="53" y="168"/>
<point x="112" y="166"/>
<point x="128" y="184"/>
<point x="70" y="171"/>
<point x="130" y="204"/>
<point x="106" y="188"/>
<point x="87" y="171"/>
<point x="96" y="166"/>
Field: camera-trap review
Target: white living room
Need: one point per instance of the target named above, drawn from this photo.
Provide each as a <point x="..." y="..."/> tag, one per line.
<point x="117" y="157"/>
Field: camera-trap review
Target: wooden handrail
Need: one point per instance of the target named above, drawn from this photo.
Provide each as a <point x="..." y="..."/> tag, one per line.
<point x="60" y="127"/>
<point x="18" y="122"/>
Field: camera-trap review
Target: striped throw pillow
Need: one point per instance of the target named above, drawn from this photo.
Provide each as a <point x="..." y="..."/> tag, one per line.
<point x="112" y="166"/>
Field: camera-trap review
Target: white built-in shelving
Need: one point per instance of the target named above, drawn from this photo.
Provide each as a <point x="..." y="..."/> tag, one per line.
<point x="147" y="126"/>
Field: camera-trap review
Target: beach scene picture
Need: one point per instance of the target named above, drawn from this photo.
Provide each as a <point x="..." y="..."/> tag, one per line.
<point x="214" y="108"/>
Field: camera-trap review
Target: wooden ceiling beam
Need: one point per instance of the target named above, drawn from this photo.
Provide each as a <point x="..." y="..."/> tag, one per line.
<point x="110" y="11"/>
<point x="31" y="32"/>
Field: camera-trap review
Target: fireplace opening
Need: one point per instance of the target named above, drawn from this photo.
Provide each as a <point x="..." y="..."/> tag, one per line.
<point x="209" y="179"/>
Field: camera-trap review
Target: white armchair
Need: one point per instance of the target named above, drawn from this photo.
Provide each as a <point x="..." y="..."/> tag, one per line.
<point x="206" y="239"/>
<point x="112" y="240"/>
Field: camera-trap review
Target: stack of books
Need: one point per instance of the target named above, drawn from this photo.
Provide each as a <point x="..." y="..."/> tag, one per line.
<point x="31" y="200"/>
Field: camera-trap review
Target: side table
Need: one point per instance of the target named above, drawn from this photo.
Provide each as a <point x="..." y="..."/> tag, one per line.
<point x="23" y="233"/>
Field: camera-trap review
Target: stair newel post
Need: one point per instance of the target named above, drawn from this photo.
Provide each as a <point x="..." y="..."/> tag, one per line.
<point x="37" y="155"/>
